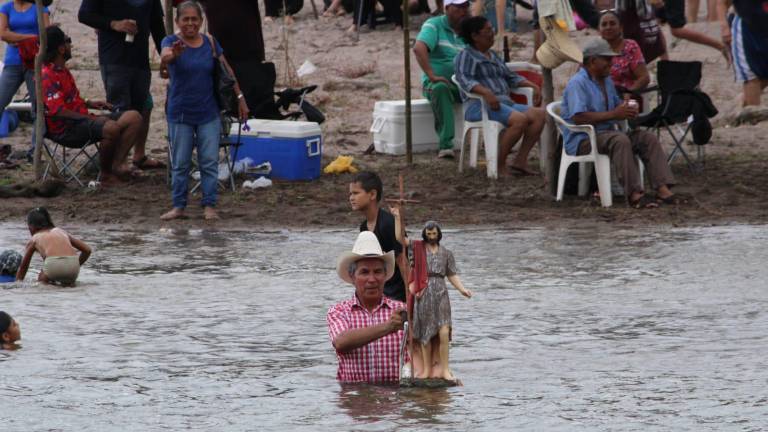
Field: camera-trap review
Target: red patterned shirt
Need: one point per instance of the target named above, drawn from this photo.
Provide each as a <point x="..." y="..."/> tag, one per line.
<point x="60" y="92"/>
<point x="625" y="63"/>
<point x="379" y="361"/>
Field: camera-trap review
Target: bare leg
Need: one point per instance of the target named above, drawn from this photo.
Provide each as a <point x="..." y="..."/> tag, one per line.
<point x="515" y="127"/>
<point x="139" y="149"/>
<point x="130" y="126"/>
<point x="426" y="360"/>
<point x="753" y="91"/>
<point x="692" y="10"/>
<point x="445" y="344"/>
<point x="535" y="117"/>
<point x="110" y="140"/>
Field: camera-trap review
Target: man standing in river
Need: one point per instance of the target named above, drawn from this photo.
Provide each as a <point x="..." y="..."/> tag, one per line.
<point x="366" y="330"/>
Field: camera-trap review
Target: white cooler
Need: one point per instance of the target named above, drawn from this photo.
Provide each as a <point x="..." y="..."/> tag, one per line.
<point x="388" y="127"/>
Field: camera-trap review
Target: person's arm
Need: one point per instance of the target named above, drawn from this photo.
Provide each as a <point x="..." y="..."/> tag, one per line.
<point x="242" y="105"/>
<point x="421" y="52"/>
<point x="621" y="112"/>
<point x="157" y="25"/>
<point x="722" y="16"/>
<point x="456" y="282"/>
<point x="91" y="14"/>
<point x="463" y="65"/>
<point x="642" y="77"/>
<point x="7" y="35"/>
<point x="24" y="266"/>
<point x="85" y="250"/>
<point x="352" y="339"/>
<point x="171" y="51"/>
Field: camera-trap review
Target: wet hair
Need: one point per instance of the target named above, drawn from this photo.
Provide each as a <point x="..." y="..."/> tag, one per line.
<point x="470" y="26"/>
<point x="369" y="181"/>
<point x="5" y="322"/>
<point x="430" y="225"/>
<point x="353" y="267"/>
<point x="186" y="5"/>
<point x="39" y="218"/>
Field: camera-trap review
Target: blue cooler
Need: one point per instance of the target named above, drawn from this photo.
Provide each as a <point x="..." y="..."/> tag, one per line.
<point x="293" y="148"/>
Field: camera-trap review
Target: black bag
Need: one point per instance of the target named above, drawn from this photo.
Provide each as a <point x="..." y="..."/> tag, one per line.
<point x="224" y="84"/>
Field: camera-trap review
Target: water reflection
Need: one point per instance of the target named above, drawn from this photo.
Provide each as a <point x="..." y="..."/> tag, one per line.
<point x="587" y="329"/>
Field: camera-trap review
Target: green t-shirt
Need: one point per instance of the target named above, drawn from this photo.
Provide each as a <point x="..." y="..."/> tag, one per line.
<point x="443" y="44"/>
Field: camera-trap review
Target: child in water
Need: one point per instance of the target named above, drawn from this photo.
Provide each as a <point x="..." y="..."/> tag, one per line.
<point x="9" y="332"/>
<point x="61" y="262"/>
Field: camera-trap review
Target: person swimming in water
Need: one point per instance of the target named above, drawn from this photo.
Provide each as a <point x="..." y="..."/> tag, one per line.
<point x="59" y="250"/>
<point x="10" y="332"/>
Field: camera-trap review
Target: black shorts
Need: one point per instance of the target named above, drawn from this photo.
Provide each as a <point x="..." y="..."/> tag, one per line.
<point x="84" y="131"/>
<point x="127" y="87"/>
<point x="673" y="13"/>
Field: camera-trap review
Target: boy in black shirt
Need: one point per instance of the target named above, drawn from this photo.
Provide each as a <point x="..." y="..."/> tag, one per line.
<point x="365" y="193"/>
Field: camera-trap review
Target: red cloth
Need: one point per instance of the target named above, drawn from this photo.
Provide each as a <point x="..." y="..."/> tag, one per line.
<point x="60" y="92"/>
<point x="379" y="361"/>
<point x="28" y="49"/>
<point x="420" y="273"/>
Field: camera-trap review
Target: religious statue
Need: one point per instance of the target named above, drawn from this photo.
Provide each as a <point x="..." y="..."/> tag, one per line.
<point x="431" y="320"/>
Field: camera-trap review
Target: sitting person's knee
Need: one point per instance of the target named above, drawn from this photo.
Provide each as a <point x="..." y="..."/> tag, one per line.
<point x="131" y="117"/>
<point x="441" y="88"/>
<point x="111" y="130"/>
<point x="517" y="119"/>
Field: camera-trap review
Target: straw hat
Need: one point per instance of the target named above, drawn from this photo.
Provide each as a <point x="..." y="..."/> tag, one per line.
<point x="558" y="48"/>
<point x="366" y="246"/>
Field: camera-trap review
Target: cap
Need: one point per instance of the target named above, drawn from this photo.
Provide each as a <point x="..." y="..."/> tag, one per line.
<point x="447" y="3"/>
<point x="598" y="47"/>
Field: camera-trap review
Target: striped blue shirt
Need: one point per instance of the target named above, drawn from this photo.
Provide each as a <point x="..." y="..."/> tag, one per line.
<point x="473" y="68"/>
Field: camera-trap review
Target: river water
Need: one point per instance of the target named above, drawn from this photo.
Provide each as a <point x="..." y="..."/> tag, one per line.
<point x="570" y="329"/>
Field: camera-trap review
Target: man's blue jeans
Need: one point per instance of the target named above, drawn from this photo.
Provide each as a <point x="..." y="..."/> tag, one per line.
<point x="184" y="138"/>
<point x="12" y="78"/>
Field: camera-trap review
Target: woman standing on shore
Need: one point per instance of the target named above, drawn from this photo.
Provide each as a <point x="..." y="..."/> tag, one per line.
<point x="192" y="110"/>
<point x="18" y="21"/>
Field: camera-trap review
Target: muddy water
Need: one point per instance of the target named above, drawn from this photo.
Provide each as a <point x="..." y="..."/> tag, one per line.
<point x="591" y="329"/>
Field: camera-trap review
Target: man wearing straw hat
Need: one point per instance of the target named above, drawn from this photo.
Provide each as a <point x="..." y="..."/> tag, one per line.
<point x="366" y="330"/>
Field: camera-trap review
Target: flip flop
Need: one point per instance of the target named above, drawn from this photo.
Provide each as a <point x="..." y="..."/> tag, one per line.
<point x="146" y="163"/>
<point x="522" y="172"/>
<point x="644" y="202"/>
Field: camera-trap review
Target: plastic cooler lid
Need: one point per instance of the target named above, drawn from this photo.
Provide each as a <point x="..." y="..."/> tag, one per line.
<point x="278" y="128"/>
<point x="398" y="106"/>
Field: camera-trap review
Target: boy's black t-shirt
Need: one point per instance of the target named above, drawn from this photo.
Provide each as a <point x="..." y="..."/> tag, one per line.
<point x="394" y="288"/>
<point x="754" y="13"/>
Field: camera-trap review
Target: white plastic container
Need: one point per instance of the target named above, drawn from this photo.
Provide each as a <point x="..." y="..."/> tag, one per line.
<point x="388" y="127"/>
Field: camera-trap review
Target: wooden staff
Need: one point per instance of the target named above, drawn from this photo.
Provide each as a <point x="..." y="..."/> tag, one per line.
<point x="40" y="110"/>
<point x="402" y="260"/>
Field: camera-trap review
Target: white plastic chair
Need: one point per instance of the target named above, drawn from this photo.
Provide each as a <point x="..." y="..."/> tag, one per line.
<point x="602" y="163"/>
<point x="491" y="130"/>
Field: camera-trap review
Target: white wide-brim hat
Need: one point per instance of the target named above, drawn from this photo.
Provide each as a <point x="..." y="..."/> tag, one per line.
<point x="366" y="246"/>
<point x="558" y="47"/>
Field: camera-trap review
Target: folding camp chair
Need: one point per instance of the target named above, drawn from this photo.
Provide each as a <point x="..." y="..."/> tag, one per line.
<point x="71" y="163"/>
<point x="682" y="108"/>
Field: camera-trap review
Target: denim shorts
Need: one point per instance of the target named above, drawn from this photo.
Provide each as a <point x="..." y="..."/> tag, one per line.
<point x="507" y="107"/>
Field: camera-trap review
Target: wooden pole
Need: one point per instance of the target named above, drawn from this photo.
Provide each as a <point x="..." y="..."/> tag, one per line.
<point x="407" y="67"/>
<point x="169" y="17"/>
<point x="40" y="103"/>
<point x="548" y="137"/>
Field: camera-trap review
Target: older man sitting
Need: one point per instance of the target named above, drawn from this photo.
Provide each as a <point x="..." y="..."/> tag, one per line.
<point x="366" y="330"/>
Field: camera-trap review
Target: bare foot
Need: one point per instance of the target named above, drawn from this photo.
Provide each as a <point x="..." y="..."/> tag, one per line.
<point x="268" y="20"/>
<point x="209" y="214"/>
<point x="352" y="29"/>
<point x="289" y="20"/>
<point x="448" y="376"/>
<point x="341" y="12"/>
<point x="523" y="170"/>
<point x="174" y="213"/>
<point x="109" y="180"/>
<point x="328" y="13"/>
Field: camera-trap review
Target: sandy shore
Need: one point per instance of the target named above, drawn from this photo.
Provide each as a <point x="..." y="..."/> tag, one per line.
<point x="352" y="76"/>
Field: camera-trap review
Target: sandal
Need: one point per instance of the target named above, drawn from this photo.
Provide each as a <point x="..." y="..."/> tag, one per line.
<point x="146" y="163"/>
<point x="644" y="202"/>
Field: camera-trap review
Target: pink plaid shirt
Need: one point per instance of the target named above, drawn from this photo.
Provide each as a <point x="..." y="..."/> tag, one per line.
<point x="379" y="361"/>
